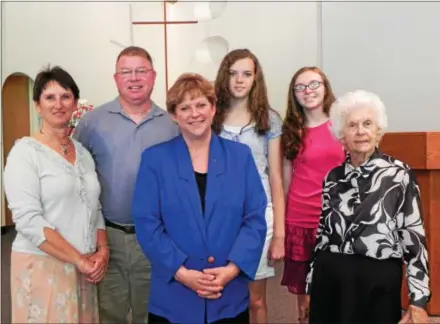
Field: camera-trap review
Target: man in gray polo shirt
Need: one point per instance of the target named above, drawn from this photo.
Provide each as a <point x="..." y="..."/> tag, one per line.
<point x="116" y="134"/>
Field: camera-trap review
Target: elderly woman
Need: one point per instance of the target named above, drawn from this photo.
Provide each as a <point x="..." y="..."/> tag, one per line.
<point x="370" y="223"/>
<point x="199" y="212"/>
<point x="60" y="251"/>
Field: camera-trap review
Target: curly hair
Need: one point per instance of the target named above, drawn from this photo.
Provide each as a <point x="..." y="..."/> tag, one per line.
<point x="294" y="122"/>
<point x="258" y="101"/>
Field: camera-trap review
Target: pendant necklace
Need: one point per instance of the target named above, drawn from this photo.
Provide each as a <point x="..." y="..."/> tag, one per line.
<point x="64" y="147"/>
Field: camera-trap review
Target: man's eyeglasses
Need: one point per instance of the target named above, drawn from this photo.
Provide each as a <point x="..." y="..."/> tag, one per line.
<point x="312" y="86"/>
<point x="140" y="73"/>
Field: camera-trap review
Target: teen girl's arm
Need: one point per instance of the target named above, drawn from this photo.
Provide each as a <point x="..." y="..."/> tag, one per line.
<point x="277" y="192"/>
<point x="275" y="163"/>
<point x="287" y="175"/>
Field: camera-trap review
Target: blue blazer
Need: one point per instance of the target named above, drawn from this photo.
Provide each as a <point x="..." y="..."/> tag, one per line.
<point x="172" y="230"/>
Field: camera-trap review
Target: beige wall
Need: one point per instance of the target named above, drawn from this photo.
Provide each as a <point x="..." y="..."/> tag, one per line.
<point x="284" y="35"/>
<point x="391" y="48"/>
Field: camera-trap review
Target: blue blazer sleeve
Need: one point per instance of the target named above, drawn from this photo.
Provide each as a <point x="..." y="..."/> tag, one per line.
<point x="247" y="249"/>
<point x="150" y="232"/>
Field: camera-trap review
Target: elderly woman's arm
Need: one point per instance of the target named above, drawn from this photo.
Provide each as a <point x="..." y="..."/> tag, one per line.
<point x="412" y="237"/>
<point x="22" y="189"/>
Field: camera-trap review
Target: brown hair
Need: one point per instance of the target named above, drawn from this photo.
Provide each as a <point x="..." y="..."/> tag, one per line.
<point x="135" y="51"/>
<point x="189" y="83"/>
<point x="295" y="119"/>
<point x="54" y="74"/>
<point x="258" y="101"/>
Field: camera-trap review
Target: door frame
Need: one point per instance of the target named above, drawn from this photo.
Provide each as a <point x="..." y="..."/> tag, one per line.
<point x="33" y="123"/>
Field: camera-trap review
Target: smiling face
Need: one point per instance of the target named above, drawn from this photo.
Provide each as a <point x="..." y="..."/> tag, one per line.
<point x="310" y="90"/>
<point x="56" y="105"/>
<point x="361" y="133"/>
<point x="241" y="78"/>
<point x="194" y="116"/>
<point x="134" y="79"/>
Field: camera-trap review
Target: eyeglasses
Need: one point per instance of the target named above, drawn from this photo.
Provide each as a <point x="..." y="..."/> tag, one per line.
<point x="140" y="73"/>
<point x="312" y="86"/>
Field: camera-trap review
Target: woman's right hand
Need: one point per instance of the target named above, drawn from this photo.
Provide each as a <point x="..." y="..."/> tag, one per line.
<point x="198" y="281"/>
<point x="84" y="265"/>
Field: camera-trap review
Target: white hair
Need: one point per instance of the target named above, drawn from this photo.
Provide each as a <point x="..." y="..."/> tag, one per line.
<point x="342" y="107"/>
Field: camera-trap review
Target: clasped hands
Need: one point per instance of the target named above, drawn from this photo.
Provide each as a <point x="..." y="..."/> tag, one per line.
<point x="208" y="283"/>
<point x="94" y="265"/>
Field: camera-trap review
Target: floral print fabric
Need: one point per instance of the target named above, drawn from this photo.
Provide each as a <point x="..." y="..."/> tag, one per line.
<point x="375" y="211"/>
<point x="46" y="290"/>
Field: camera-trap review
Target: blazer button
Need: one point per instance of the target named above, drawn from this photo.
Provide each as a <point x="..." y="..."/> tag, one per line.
<point x="211" y="259"/>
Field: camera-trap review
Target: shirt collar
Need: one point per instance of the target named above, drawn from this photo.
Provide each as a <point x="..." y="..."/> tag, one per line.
<point x="365" y="168"/>
<point x="154" y="112"/>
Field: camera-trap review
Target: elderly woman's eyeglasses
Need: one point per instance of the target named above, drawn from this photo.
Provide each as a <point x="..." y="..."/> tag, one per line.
<point x="312" y="86"/>
<point x="140" y="73"/>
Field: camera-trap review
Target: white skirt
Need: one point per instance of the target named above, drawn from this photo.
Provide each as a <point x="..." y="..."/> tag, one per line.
<point x="264" y="269"/>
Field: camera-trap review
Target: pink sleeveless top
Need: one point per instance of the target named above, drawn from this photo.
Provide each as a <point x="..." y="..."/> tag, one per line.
<point x="321" y="154"/>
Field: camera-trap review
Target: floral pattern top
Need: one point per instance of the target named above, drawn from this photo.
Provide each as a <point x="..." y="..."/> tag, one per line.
<point x="44" y="190"/>
<point x="375" y="210"/>
<point x="259" y="144"/>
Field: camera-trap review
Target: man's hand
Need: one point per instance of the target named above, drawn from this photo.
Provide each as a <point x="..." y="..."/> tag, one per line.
<point x="100" y="259"/>
<point x="276" y="250"/>
<point x="415" y="315"/>
<point x="199" y="282"/>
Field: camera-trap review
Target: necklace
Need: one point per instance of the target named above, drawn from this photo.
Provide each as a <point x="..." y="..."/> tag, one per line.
<point x="64" y="146"/>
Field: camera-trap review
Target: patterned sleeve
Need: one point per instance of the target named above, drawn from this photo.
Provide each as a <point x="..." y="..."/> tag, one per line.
<point x="275" y="124"/>
<point x="321" y="237"/>
<point x="412" y="237"/>
<point x="23" y="192"/>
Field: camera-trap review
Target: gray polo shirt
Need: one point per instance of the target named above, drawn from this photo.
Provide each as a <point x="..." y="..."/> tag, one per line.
<point x="116" y="144"/>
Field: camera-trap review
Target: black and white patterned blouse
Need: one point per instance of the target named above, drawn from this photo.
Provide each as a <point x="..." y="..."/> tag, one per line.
<point x="374" y="210"/>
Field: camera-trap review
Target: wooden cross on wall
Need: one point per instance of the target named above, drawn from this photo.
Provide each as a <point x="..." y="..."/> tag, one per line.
<point x="165" y="24"/>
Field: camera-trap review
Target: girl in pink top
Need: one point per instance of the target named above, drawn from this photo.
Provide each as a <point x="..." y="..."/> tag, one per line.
<point x="310" y="152"/>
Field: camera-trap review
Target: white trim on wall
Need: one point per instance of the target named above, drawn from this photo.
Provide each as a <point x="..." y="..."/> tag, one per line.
<point x="2" y="195"/>
<point x="34" y="122"/>
<point x="319" y="55"/>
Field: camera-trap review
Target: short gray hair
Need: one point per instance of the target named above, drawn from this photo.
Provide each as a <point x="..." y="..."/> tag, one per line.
<point x="343" y="105"/>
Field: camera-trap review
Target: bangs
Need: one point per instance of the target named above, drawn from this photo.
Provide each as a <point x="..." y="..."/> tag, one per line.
<point x="192" y="92"/>
<point x="188" y="87"/>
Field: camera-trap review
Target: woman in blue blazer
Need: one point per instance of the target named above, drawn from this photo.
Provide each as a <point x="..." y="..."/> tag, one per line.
<point x="198" y="208"/>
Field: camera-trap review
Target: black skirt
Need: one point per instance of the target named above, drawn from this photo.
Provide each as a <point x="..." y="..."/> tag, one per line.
<point x="355" y="289"/>
<point x="242" y="318"/>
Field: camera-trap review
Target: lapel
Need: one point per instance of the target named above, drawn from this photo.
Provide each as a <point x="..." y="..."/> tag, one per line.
<point x="216" y="170"/>
<point x="189" y="192"/>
